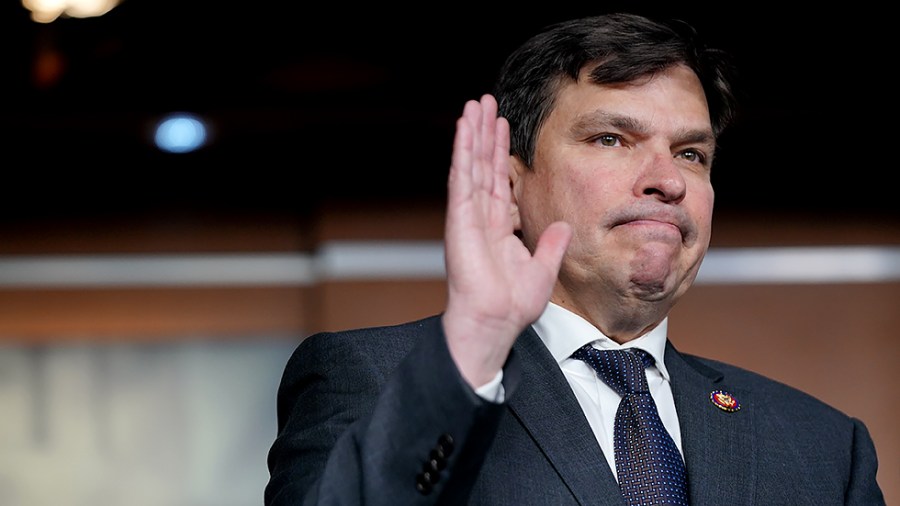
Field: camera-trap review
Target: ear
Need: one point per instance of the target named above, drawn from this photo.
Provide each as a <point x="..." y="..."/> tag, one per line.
<point x="517" y="171"/>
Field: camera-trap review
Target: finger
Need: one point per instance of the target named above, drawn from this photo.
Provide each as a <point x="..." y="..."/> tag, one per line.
<point x="460" y="180"/>
<point x="475" y="117"/>
<point x="500" y="163"/>
<point x="488" y="139"/>
<point x="499" y="200"/>
<point x="551" y="246"/>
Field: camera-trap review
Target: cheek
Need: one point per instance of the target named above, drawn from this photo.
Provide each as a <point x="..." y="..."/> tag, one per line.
<point x="707" y="200"/>
<point x="574" y="196"/>
<point x="590" y="196"/>
<point x="535" y="206"/>
<point x="701" y="210"/>
<point x="545" y="200"/>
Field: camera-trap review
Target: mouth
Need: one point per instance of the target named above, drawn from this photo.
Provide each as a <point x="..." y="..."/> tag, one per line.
<point x="653" y="223"/>
<point x="662" y="219"/>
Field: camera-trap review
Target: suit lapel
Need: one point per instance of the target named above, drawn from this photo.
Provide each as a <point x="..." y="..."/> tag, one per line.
<point x="548" y="410"/>
<point x="718" y="445"/>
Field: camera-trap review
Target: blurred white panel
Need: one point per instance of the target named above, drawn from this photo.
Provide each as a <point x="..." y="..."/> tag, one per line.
<point x="348" y="260"/>
<point x="17" y="407"/>
<point x="155" y="270"/>
<point x="173" y="424"/>
<point x="838" y="264"/>
<point x="380" y="260"/>
<point x="232" y="389"/>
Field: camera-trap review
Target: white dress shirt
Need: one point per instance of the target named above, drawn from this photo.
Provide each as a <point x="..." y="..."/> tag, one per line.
<point x="563" y="332"/>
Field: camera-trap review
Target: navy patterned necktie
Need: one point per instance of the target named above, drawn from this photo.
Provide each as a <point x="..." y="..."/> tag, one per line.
<point x="648" y="464"/>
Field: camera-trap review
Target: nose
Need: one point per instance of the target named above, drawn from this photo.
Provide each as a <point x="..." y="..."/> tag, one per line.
<point x="661" y="178"/>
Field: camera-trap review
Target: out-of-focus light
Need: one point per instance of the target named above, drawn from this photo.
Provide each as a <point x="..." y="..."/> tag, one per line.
<point x="180" y="133"/>
<point x="46" y="11"/>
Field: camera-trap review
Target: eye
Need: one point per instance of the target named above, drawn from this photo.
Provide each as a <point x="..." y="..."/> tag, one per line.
<point x="608" y="140"/>
<point x="693" y="155"/>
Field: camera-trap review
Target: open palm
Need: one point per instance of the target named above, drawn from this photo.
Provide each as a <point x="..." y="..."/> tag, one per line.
<point x="496" y="285"/>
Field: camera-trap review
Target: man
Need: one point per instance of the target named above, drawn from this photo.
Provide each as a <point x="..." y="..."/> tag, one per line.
<point x="579" y="211"/>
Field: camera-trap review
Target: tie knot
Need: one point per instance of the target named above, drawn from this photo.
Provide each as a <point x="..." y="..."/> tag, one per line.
<point x="622" y="370"/>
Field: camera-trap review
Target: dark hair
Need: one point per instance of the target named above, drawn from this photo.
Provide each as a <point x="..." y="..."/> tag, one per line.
<point x="621" y="48"/>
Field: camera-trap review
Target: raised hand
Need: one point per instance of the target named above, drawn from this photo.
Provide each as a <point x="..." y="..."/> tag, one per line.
<point x="496" y="285"/>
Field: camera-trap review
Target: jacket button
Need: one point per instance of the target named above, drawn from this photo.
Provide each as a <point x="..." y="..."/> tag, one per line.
<point x="434" y="465"/>
<point x="445" y="442"/>
<point x="437" y="454"/>
<point x="423" y="484"/>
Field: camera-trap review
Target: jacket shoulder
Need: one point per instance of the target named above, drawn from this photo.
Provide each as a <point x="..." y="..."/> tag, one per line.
<point x="379" y="346"/>
<point x="774" y="395"/>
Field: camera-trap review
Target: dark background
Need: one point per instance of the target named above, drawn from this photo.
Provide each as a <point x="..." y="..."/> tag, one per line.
<point x="316" y="103"/>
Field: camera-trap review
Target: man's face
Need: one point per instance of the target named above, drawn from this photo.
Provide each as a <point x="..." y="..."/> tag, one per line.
<point x="628" y="166"/>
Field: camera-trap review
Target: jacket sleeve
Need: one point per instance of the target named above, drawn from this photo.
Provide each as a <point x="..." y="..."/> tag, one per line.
<point x="354" y="431"/>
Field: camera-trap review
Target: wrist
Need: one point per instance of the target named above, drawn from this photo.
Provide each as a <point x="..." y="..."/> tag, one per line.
<point x="478" y="350"/>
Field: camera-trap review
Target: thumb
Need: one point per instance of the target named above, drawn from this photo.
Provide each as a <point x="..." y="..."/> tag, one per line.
<point x="552" y="245"/>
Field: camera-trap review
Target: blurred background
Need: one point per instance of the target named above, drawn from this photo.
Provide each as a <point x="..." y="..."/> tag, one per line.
<point x="155" y="277"/>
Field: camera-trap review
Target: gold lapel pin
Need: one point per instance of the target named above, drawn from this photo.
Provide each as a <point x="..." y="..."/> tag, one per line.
<point x="724" y="401"/>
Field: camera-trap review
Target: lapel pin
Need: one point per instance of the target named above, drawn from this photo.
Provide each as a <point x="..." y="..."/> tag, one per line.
<point x="724" y="401"/>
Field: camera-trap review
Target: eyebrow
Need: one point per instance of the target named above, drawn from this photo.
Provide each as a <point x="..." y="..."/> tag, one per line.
<point x="588" y="124"/>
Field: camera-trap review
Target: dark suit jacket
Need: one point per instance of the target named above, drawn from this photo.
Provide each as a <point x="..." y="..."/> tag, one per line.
<point x="362" y="413"/>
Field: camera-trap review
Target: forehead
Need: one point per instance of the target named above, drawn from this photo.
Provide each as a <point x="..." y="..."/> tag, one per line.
<point x="672" y="98"/>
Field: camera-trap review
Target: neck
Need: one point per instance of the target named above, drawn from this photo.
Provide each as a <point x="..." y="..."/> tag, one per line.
<point x="620" y="320"/>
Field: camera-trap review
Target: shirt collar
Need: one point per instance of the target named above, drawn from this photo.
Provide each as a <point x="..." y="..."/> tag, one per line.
<point x="563" y="332"/>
